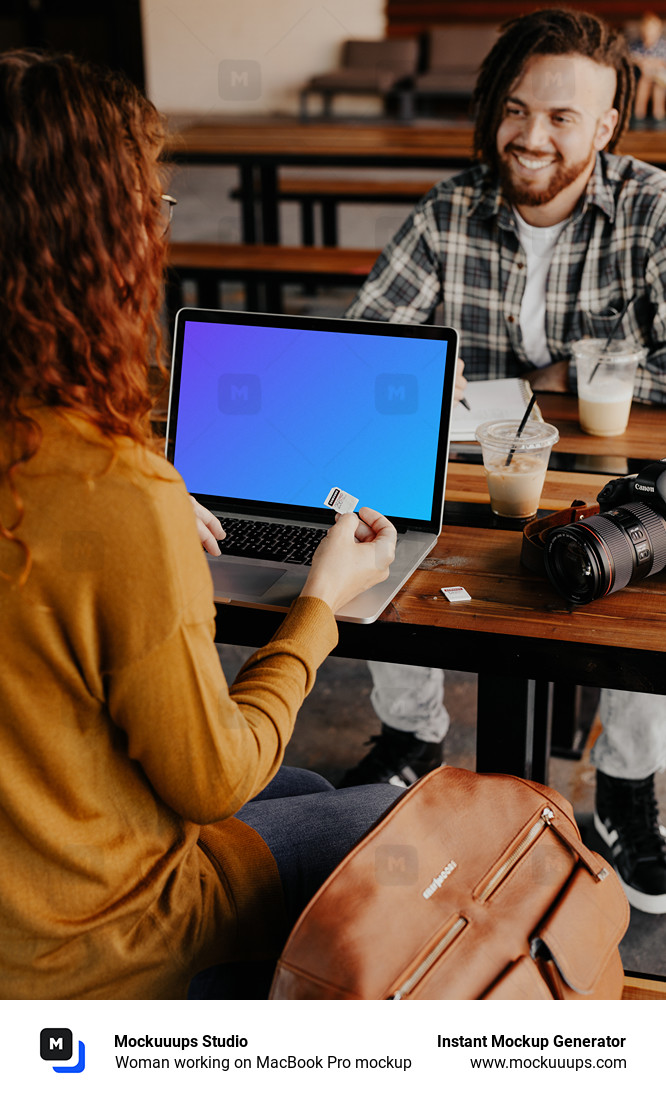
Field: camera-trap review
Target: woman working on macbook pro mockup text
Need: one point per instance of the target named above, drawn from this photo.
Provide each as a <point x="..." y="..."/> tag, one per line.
<point x="133" y="852"/>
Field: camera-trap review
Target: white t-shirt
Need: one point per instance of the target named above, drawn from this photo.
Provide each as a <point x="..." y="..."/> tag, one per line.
<point x="538" y="244"/>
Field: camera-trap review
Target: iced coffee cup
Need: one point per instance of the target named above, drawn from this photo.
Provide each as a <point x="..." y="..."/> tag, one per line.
<point x="606" y="375"/>
<point x="516" y="465"/>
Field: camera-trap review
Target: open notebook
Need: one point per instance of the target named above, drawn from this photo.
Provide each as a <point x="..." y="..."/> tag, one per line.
<point x="497" y="399"/>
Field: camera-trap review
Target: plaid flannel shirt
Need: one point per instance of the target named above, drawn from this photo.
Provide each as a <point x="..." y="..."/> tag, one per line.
<point x="460" y="247"/>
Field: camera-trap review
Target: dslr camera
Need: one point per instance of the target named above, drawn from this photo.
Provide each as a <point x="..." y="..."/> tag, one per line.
<point x="626" y="541"/>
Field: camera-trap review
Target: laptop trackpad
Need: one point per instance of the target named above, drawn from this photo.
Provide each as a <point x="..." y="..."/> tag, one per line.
<point x="250" y="581"/>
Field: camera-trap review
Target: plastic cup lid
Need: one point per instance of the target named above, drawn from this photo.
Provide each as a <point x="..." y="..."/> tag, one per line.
<point x="502" y="434"/>
<point x="619" y="352"/>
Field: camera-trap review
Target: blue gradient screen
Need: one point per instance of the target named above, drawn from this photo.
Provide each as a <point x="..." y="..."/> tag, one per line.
<point x="282" y="415"/>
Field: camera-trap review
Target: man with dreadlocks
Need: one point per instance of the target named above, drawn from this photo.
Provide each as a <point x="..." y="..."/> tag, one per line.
<point x="549" y="227"/>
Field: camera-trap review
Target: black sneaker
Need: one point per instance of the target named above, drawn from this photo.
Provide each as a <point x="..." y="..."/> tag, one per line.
<point x="395" y="757"/>
<point x="626" y="818"/>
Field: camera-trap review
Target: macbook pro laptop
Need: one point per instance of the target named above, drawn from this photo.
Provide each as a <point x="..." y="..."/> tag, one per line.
<point x="268" y="413"/>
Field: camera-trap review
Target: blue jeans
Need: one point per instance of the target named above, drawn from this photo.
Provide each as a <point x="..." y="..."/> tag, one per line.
<point x="309" y="827"/>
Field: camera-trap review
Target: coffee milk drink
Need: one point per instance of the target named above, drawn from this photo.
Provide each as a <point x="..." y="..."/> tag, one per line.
<point x="606" y="374"/>
<point x="515" y="490"/>
<point x="604" y="407"/>
<point x="515" y="465"/>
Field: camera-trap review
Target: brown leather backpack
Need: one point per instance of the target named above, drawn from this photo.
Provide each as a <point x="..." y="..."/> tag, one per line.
<point x="471" y="887"/>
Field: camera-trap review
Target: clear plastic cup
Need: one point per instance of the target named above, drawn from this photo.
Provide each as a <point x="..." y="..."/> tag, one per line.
<point x="515" y="488"/>
<point x="606" y="383"/>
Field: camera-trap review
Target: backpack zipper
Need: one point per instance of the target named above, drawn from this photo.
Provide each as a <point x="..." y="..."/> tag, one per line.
<point x="458" y="926"/>
<point x="432" y="956"/>
<point x="516" y="854"/>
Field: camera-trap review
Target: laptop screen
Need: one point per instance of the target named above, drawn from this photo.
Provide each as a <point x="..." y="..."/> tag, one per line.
<point x="280" y="409"/>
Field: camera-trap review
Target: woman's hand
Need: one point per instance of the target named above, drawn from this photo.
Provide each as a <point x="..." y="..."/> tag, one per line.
<point x="209" y="528"/>
<point x="354" y="556"/>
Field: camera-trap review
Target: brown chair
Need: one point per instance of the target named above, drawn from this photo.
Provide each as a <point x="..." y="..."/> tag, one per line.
<point x="454" y="54"/>
<point x="367" y="68"/>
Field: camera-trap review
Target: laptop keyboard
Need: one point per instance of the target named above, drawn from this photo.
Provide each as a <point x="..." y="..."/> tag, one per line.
<point x="249" y="538"/>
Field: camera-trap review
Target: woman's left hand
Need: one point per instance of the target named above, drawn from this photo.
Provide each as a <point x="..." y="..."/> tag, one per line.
<point x="209" y="528"/>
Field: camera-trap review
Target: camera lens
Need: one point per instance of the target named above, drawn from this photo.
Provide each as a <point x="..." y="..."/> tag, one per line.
<point x="599" y="555"/>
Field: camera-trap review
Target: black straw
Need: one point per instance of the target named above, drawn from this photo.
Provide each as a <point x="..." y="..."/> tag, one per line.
<point x="618" y="321"/>
<point x="526" y="416"/>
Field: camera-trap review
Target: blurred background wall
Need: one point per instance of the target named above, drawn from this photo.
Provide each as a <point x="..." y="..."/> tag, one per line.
<point x="201" y="56"/>
<point x="247" y="56"/>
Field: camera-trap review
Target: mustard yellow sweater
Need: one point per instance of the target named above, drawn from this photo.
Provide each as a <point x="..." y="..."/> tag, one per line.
<point x="119" y="737"/>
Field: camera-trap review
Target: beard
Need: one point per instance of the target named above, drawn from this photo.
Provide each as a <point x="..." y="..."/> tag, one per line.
<point x="535" y="194"/>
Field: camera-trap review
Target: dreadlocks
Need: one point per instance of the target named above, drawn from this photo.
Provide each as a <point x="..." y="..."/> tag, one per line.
<point x="554" y="31"/>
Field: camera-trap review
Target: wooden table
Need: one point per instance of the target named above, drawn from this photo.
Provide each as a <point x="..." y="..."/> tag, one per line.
<point x="260" y="147"/>
<point x="517" y="633"/>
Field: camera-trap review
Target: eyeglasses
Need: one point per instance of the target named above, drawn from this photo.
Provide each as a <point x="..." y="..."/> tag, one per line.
<point x="168" y="213"/>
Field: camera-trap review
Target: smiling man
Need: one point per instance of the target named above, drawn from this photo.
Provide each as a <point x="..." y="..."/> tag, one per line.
<point x="557" y="117"/>
<point x="521" y="250"/>
<point x="548" y="207"/>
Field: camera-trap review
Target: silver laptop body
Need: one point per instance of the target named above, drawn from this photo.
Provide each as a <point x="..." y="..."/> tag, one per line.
<point x="267" y="413"/>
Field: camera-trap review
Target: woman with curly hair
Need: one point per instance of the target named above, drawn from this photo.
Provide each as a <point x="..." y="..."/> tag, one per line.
<point x="133" y="850"/>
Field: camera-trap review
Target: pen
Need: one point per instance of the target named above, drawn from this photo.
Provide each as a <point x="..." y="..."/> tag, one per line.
<point x="465" y="404"/>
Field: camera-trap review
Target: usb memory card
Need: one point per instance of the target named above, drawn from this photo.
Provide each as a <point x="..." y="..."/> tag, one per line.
<point x="340" y="501"/>
<point x="456" y="594"/>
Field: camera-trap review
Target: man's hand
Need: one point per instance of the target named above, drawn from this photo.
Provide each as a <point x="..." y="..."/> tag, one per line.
<point x="460" y="383"/>
<point x="551" y="379"/>
<point x="355" y="555"/>
<point x="209" y="528"/>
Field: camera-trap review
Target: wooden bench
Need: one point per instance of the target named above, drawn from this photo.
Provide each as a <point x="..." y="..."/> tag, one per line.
<point x="641" y="987"/>
<point x="261" y="268"/>
<point x="329" y="192"/>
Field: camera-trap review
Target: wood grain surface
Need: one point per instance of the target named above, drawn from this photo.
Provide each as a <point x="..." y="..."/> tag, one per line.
<point x="261" y="258"/>
<point x="287" y="140"/>
<point x="506" y="597"/>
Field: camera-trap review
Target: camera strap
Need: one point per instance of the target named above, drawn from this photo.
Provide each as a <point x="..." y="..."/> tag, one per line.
<point x="534" y="532"/>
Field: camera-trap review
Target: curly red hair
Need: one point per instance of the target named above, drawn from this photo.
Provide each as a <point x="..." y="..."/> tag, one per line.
<point x="83" y="248"/>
